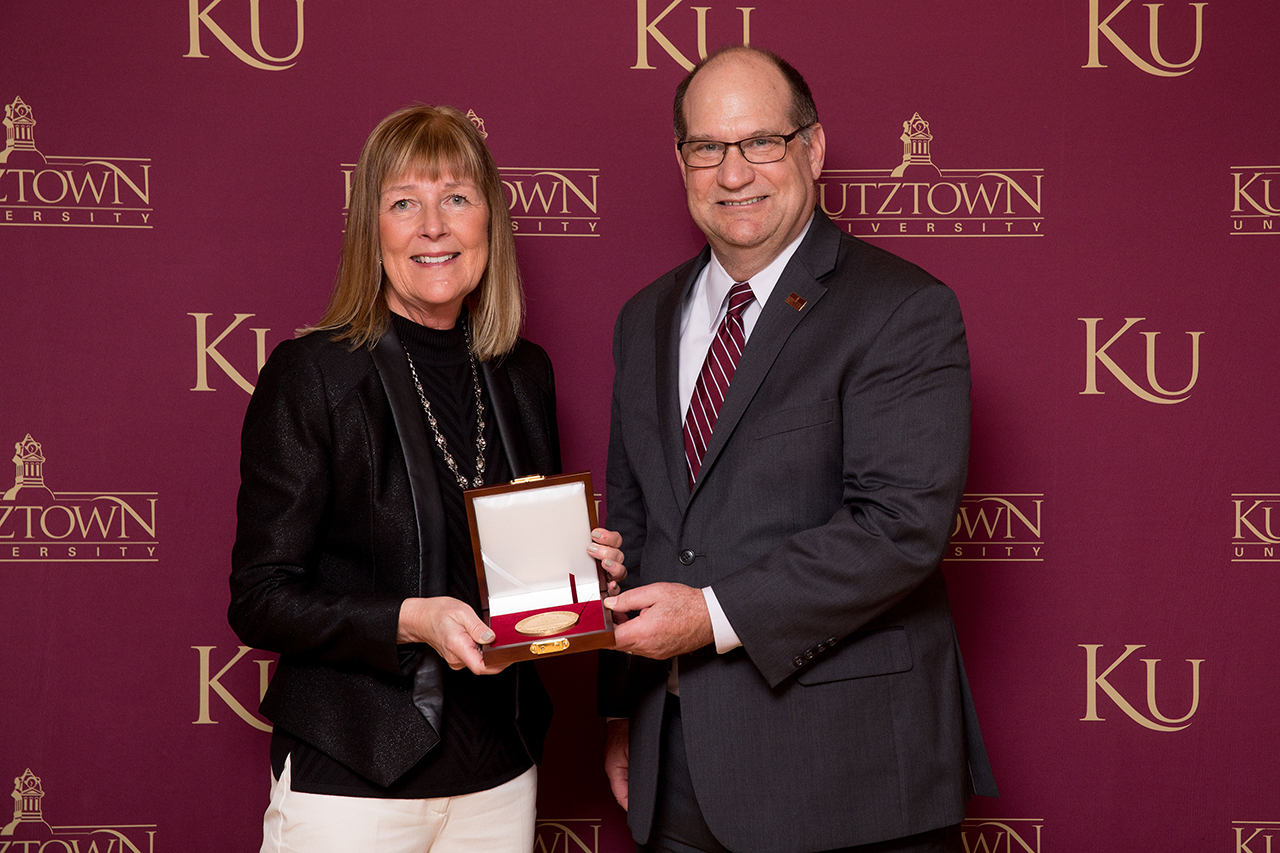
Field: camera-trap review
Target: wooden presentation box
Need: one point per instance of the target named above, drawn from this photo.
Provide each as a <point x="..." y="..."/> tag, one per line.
<point x="530" y="539"/>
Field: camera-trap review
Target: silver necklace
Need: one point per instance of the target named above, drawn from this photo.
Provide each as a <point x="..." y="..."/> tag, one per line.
<point x="435" y="428"/>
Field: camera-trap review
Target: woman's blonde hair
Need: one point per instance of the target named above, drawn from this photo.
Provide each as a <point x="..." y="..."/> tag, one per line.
<point x="423" y="141"/>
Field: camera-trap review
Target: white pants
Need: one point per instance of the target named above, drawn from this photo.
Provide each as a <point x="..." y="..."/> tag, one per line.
<point x="499" y="820"/>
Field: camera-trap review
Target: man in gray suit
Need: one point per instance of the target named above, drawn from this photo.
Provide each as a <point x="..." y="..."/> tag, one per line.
<point x="785" y="461"/>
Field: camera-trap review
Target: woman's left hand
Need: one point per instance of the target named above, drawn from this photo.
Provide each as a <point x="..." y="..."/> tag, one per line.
<point x="606" y="546"/>
<point x="450" y="627"/>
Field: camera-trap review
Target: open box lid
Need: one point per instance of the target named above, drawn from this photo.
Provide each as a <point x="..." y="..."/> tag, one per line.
<point x="530" y="541"/>
<point x="530" y="538"/>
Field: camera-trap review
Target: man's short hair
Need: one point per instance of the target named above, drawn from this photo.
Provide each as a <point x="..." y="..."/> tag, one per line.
<point x="804" y="111"/>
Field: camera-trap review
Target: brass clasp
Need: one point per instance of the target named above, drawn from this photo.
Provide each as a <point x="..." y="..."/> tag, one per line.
<point x="547" y="647"/>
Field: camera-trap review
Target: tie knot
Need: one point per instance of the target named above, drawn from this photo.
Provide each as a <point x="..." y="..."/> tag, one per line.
<point x="740" y="296"/>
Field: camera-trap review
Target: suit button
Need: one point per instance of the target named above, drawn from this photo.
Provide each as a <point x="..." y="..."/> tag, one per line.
<point x="798" y="661"/>
<point x="687" y="557"/>
<point x="808" y="655"/>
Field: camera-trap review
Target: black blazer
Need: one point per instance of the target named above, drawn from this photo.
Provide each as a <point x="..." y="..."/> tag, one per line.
<point x="825" y="500"/>
<point x="339" y="520"/>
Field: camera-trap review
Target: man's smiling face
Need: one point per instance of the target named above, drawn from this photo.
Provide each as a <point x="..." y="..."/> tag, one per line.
<point x="750" y="212"/>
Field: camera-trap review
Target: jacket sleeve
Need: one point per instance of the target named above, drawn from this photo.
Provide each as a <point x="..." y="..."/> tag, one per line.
<point x="623" y="677"/>
<point x="905" y="445"/>
<point x="285" y="508"/>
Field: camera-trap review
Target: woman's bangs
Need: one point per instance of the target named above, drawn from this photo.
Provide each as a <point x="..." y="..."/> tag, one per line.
<point x="438" y="151"/>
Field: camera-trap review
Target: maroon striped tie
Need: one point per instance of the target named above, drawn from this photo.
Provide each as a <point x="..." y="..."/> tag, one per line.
<point x="713" y="381"/>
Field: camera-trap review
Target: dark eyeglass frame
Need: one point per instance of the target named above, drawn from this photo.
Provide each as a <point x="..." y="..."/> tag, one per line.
<point x="785" y="137"/>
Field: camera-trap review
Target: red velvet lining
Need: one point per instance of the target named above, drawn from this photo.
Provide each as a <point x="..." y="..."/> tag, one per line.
<point x="590" y="620"/>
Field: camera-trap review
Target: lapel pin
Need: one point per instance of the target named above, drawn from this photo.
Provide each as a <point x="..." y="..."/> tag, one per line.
<point x="796" y="301"/>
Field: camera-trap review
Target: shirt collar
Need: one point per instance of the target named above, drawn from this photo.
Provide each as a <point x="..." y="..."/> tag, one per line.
<point x="720" y="282"/>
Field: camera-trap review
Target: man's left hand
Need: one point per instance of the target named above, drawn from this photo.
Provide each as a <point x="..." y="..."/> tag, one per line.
<point x="673" y="620"/>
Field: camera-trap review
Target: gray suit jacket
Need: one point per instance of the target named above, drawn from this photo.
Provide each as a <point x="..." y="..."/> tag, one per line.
<point x="825" y="501"/>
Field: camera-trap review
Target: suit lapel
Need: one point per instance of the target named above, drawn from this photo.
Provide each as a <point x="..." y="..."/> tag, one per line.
<point x="814" y="258"/>
<point x="406" y="409"/>
<point x="502" y="401"/>
<point x="667" y="359"/>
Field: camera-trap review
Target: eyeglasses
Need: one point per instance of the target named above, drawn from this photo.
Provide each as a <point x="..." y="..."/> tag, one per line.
<point x="705" y="153"/>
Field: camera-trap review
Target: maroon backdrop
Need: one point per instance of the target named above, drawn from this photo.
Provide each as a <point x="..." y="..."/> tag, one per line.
<point x="1094" y="178"/>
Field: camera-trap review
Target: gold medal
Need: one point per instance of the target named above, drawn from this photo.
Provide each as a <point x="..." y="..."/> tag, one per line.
<point x="546" y="624"/>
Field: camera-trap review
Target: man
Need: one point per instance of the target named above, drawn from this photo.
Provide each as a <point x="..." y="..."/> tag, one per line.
<point x="784" y="538"/>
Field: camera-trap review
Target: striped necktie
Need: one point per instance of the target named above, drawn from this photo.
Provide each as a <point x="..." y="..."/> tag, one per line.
<point x="713" y="381"/>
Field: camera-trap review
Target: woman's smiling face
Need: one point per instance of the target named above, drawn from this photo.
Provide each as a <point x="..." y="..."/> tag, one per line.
<point x="434" y="236"/>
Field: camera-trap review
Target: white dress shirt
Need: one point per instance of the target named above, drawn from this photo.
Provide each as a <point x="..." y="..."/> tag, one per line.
<point x="704" y="309"/>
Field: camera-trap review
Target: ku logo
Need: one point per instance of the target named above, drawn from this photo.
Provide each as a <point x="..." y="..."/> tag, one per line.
<point x="206" y="352"/>
<point x="1260" y="507"/>
<point x="199" y="19"/>
<point x="213" y="683"/>
<point x="1157" y="722"/>
<point x="1256" y="206"/>
<point x="1257" y="535"/>
<point x="1255" y="836"/>
<point x="647" y="28"/>
<point x="1162" y="67"/>
<point x="1248" y="190"/>
<point x="1095" y="355"/>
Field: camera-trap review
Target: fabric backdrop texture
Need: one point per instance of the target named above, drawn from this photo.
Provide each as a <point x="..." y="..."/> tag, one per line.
<point x="1097" y="180"/>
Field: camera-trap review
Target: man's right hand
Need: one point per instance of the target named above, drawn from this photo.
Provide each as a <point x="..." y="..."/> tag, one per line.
<point x="673" y="620"/>
<point x="617" y="758"/>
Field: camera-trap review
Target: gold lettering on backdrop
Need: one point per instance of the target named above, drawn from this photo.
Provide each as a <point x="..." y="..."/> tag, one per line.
<point x="1255" y="836"/>
<point x="1242" y="191"/>
<point x="206" y="351"/>
<point x="39" y="525"/>
<point x="198" y="18"/>
<point x="1254" y="201"/>
<point x="926" y="201"/>
<point x="214" y="683"/>
<point x="51" y="190"/>
<point x="1154" y="722"/>
<point x="647" y="28"/>
<point x="29" y="832"/>
<point x="998" y="529"/>
<point x="546" y="202"/>
<point x="1162" y="68"/>
<point x="1256" y="536"/>
<point x="1095" y="355"/>
<point x="552" y="202"/>
<point x="999" y="835"/>
<point x="574" y="835"/>
<point x="1242" y="520"/>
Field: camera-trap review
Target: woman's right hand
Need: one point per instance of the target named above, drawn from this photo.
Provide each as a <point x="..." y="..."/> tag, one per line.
<point x="450" y="627"/>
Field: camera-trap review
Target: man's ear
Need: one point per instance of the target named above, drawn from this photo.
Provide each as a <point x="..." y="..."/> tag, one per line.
<point x="817" y="150"/>
<point x="684" y="172"/>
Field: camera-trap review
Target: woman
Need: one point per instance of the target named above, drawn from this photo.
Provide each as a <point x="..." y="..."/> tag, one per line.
<point x="352" y="556"/>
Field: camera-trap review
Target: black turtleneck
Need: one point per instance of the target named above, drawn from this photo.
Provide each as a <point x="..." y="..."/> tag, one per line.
<point x="444" y="369"/>
<point x="480" y="746"/>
